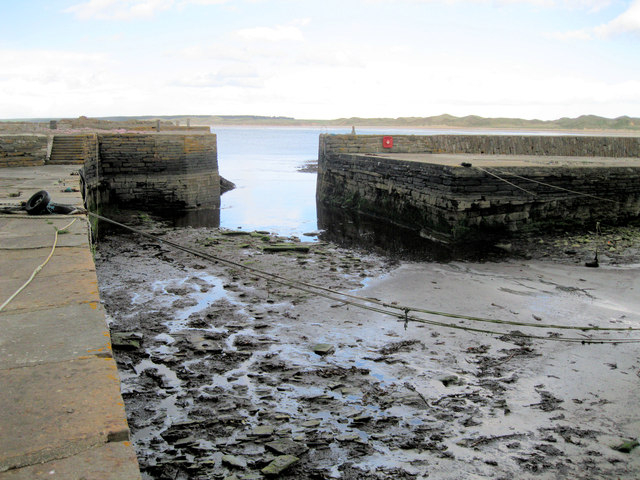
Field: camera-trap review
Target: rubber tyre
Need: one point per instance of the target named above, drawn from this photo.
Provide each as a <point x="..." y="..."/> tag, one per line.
<point x="38" y="203"/>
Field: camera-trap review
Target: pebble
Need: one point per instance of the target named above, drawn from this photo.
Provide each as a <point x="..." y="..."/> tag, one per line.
<point x="262" y="431"/>
<point x="280" y="464"/>
<point x="323" y="349"/>
<point x="234" y="461"/>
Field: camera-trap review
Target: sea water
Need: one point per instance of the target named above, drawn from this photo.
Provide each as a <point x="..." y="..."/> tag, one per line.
<point x="271" y="193"/>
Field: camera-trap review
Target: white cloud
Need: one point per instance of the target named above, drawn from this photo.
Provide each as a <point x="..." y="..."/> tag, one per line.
<point x="628" y="21"/>
<point x="130" y="9"/>
<point x="278" y="33"/>
<point x="385" y="82"/>
<point x="48" y="67"/>
<point x="571" y="35"/>
<point x="592" y="5"/>
<point x="38" y="81"/>
<point x="202" y="2"/>
<point x="118" y="9"/>
<point x="271" y="34"/>
<point x="237" y="76"/>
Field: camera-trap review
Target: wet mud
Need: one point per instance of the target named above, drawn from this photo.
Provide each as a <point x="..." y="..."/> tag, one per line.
<point x="226" y="375"/>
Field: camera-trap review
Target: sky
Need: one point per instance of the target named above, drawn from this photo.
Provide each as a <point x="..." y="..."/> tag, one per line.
<point x="326" y="59"/>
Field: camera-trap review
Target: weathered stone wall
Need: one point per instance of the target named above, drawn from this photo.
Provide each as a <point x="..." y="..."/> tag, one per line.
<point x="559" y="145"/>
<point x="21" y="128"/>
<point x="454" y="203"/>
<point x="84" y="124"/>
<point x="23" y="150"/>
<point x="155" y="171"/>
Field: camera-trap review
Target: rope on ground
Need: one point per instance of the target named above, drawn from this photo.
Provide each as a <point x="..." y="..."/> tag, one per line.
<point x="504" y="180"/>
<point x="39" y="267"/>
<point x="40" y="217"/>
<point x="402" y="308"/>
<point x="580" y="194"/>
<point x="402" y="314"/>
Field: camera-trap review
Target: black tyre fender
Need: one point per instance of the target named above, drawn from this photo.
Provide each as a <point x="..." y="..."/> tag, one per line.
<point x="38" y="203"/>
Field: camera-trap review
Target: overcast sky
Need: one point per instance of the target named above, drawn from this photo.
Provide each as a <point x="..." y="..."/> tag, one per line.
<point x="320" y="58"/>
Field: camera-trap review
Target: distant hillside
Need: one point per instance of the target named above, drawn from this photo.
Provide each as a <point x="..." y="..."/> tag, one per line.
<point x="584" y="122"/>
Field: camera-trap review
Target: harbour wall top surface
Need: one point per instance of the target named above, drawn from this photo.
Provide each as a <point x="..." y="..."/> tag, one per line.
<point x="543" y="145"/>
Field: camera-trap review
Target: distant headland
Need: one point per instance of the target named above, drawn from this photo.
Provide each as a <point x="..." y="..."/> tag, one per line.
<point x="583" y="122"/>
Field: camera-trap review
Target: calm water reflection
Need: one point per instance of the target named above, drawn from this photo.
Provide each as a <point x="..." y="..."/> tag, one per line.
<point x="272" y="194"/>
<point x="263" y="162"/>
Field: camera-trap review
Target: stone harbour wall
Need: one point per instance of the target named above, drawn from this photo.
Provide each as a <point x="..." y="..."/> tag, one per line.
<point x="154" y="171"/>
<point x="560" y="145"/>
<point x="452" y="204"/>
<point x="23" y="150"/>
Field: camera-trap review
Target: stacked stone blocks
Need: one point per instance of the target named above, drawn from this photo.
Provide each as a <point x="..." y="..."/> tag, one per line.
<point x="156" y="171"/>
<point x="455" y="203"/>
<point x="22" y="150"/>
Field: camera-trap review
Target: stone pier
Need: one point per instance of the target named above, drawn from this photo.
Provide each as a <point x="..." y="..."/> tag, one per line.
<point x="456" y="188"/>
<point x="61" y="412"/>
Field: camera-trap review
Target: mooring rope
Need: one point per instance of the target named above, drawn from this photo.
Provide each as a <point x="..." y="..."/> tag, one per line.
<point x="504" y="180"/>
<point x="39" y="267"/>
<point x="580" y="194"/>
<point x="575" y="192"/>
<point x="403" y="310"/>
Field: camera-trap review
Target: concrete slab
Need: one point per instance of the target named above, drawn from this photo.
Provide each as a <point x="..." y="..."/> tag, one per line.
<point x="112" y="461"/>
<point x="61" y="412"/>
<point x="57" y="410"/>
<point x="21" y="233"/>
<point x="53" y="335"/>
<point x="26" y="181"/>
<point x="52" y="291"/>
<point x="20" y="264"/>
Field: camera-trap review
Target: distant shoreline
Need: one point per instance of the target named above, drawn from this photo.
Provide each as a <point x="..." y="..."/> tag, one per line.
<point x="596" y="132"/>
<point x="582" y="125"/>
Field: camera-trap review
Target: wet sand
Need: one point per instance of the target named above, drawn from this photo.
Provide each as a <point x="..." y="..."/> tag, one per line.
<point x="226" y="379"/>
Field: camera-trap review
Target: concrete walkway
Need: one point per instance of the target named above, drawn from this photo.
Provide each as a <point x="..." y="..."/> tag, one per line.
<point x="61" y="412"/>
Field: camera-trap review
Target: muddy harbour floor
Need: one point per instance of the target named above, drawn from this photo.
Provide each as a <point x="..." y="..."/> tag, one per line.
<point x="228" y="376"/>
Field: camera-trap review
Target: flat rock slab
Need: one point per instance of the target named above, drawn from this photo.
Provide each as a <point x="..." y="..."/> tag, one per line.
<point x="48" y="412"/>
<point x="323" y="349"/>
<point x="112" y="461"/>
<point x="287" y="447"/>
<point x="279" y="465"/>
<point x="58" y="334"/>
<point x="286" y="247"/>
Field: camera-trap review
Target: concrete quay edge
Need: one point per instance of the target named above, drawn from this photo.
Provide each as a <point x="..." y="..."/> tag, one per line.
<point x="61" y="412"/>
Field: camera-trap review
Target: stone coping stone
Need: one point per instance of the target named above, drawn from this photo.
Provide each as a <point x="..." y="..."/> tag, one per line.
<point x="56" y="410"/>
<point x="52" y="291"/>
<point x="53" y="335"/>
<point x="25" y="233"/>
<point x="111" y="461"/>
<point x="20" y="264"/>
